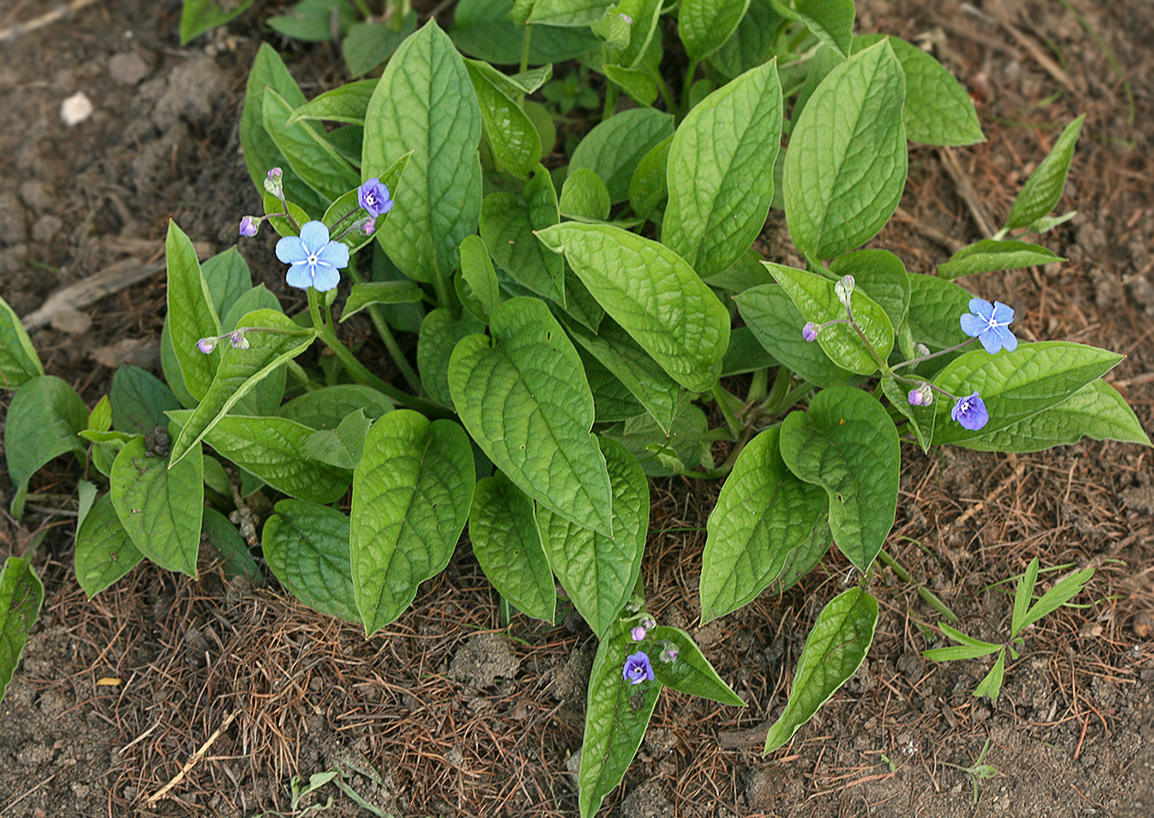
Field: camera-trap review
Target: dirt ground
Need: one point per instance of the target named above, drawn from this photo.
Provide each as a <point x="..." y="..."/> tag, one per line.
<point x="446" y="714"/>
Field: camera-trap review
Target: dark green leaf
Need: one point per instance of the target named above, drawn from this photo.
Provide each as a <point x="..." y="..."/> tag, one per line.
<point x="104" y="551"/>
<point x="307" y="548"/>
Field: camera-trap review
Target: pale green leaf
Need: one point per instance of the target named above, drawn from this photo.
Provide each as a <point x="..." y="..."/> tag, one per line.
<point x="411" y="495"/>
<point x="191" y="314"/>
<point x="507" y="225"/>
<point x="845" y="166"/>
<point x="425" y="103"/>
<point x="43" y="421"/>
<point x="847" y="444"/>
<point x="599" y="572"/>
<point x="1044" y="187"/>
<point x="614" y="147"/>
<point x="653" y="294"/>
<point x="690" y="672"/>
<point x="988" y="256"/>
<point x="524" y="398"/>
<point x="503" y="532"/>
<point x="834" y="650"/>
<point x="704" y="25"/>
<point x="307" y="548"/>
<point x="511" y="134"/>
<point x="584" y="196"/>
<point x="440" y="332"/>
<point x="720" y="171"/>
<point x="831" y="21"/>
<point x="478" y="273"/>
<point x="21" y="595"/>
<point x="159" y="503"/>
<point x="762" y="515"/>
<point x="367" y="293"/>
<point x="309" y="154"/>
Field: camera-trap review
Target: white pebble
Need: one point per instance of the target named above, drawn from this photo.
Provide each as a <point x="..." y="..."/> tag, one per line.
<point x="76" y="109"/>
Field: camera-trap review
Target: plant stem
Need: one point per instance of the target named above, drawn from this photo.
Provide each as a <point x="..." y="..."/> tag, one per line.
<point x="722" y="397"/>
<point x="689" y="72"/>
<point x="925" y="593"/>
<point x="390" y="340"/>
<point x="757" y="386"/>
<point x="525" y="47"/>
<point x="954" y="348"/>
<point x="440" y="286"/>
<point x="358" y="372"/>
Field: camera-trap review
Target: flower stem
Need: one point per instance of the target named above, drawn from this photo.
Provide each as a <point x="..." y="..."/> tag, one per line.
<point x="389" y="339"/>
<point x="925" y="593"/>
<point x="954" y="348"/>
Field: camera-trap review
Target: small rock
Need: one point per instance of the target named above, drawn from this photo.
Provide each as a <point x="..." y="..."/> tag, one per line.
<point x="46" y="227"/>
<point x="71" y="322"/>
<point x="647" y="801"/>
<point x="127" y="68"/>
<point x="13" y="222"/>
<point x="76" y="109"/>
<point x="36" y="196"/>
<point x="193" y="90"/>
<point x="1144" y="626"/>
<point x="483" y="658"/>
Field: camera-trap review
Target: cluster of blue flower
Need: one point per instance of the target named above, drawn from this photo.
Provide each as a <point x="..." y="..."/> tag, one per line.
<point x="637" y="667"/>
<point x="988" y="323"/>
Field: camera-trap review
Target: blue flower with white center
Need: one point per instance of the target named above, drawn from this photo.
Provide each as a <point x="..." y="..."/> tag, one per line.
<point x="315" y="260"/>
<point x="637" y="669"/>
<point x="988" y="323"/>
<point x="373" y="196"/>
<point x="970" y="412"/>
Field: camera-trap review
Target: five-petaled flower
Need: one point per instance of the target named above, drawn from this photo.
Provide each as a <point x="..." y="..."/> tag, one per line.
<point x="637" y="669"/>
<point x="373" y="196"/>
<point x="988" y="323"/>
<point x="315" y="260"/>
<point x="970" y="412"/>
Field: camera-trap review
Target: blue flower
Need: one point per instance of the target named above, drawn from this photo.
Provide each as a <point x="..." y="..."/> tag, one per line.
<point x="373" y="196"/>
<point x="637" y="669"/>
<point x="315" y="260"/>
<point x="970" y="412"/>
<point x="988" y="322"/>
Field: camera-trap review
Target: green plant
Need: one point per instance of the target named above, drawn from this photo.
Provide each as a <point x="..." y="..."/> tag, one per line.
<point x="576" y="329"/>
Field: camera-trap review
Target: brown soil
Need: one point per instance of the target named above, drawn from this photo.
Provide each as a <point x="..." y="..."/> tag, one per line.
<point x="446" y="714"/>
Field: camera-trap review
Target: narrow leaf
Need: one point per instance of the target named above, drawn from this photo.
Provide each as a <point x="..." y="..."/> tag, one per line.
<point x="507" y="225"/>
<point x="833" y="652"/>
<point x="511" y="134"/>
<point x="1044" y="187"/>
<point x="1023" y="595"/>
<point x="309" y="154"/>
<point x="988" y="256"/>
<point x="367" y="293"/>
<point x="690" y="672"/>
<point x="191" y="315"/>
<point x="1063" y="591"/>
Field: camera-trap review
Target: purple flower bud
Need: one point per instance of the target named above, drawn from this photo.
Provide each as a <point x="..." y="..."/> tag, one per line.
<point x="637" y="669"/>
<point x="237" y="340"/>
<point x="369" y="226"/>
<point x="970" y="412"/>
<point x="373" y="197"/>
<point x="637" y="634"/>
<point x="206" y="345"/>
<point x="627" y="19"/>
<point x="669" y="653"/>
<point x="922" y="396"/>
<point x="273" y="183"/>
<point x="248" y="226"/>
<point x="809" y="331"/>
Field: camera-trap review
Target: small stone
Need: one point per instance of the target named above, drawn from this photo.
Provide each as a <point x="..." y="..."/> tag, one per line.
<point x="1144" y="626"/>
<point x="127" y="68"/>
<point x="76" y="109"/>
<point x="46" y="227"/>
<point x="36" y="196"/>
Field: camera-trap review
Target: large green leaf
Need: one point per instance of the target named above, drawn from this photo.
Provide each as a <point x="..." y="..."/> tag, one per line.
<point x="280" y="340"/>
<point x="1017" y="385"/>
<point x="160" y="504"/>
<point x="345" y="103"/>
<point x="938" y="109"/>
<point x="512" y="136"/>
<point x="312" y="157"/>
<point x="104" y="551"/>
<point x="690" y="672"/>
<point x="653" y="294"/>
<point x="307" y="548"/>
<point x="260" y="152"/>
<point x="426" y="104"/>
<point x="1044" y="187"/>
<point x="326" y="407"/>
<point x="616" y="351"/>
<point x="833" y="652"/>
<point x="988" y="256"/>
<point x="411" y="495"/>
<point x="616" y="715"/>
<point x="191" y="314"/>
<point x="848" y="445"/>
<point x="44" y="417"/>
<point x="276" y="450"/>
<point x="599" y="572"/>
<point x="845" y="166"/>
<point x="21" y="595"/>
<point x="704" y="25"/>
<point x="614" y="147"/>
<point x="817" y="300"/>
<point x="831" y="21"/>
<point x="503" y="531"/>
<point x="18" y="359"/>
<point x="524" y="398"/>
<point x="776" y="323"/>
<point x="507" y="225"/>
<point x="763" y="514"/>
<point x="720" y="171"/>
<point x="1096" y="411"/>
